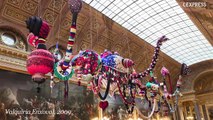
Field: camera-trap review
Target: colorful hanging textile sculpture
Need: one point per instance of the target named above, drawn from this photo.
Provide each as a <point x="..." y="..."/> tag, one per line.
<point x="39" y="61"/>
<point x="114" y="73"/>
<point x="160" y="97"/>
<point x="169" y="95"/>
<point x="108" y="72"/>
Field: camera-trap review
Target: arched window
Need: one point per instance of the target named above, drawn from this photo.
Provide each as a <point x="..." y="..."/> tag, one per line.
<point x="13" y="39"/>
<point x="8" y="39"/>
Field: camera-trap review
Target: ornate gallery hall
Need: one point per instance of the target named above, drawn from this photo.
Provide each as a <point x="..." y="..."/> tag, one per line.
<point x="106" y="59"/>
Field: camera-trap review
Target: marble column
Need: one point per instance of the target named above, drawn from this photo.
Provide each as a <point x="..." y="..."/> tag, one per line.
<point x="205" y="115"/>
<point x="180" y="111"/>
<point x="197" y="110"/>
<point x="174" y="114"/>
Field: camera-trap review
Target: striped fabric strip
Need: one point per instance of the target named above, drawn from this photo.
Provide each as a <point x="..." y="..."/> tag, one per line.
<point x="71" y="41"/>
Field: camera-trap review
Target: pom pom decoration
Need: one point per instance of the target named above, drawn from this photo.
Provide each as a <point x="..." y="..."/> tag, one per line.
<point x="88" y="61"/>
<point x="40" y="61"/>
<point x="164" y="71"/>
<point x="44" y="30"/>
<point x="75" y="5"/>
<point x="184" y="69"/>
<point x="127" y="63"/>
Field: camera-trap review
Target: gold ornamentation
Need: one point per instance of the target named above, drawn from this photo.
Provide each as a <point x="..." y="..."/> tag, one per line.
<point x="50" y="16"/>
<point x="21" y="45"/>
<point x="13" y="59"/>
<point x="30" y="6"/>
<point x="82" y="19"/>
<point x="16" y="3"/>
<point x="15" y="14"/>
<point x="57" y="5"/>
<point x="103" y="41"/>
<point x="66" y="24"/>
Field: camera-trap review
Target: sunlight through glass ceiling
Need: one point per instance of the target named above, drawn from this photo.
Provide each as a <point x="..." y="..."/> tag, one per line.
<point x="150" y="19"/>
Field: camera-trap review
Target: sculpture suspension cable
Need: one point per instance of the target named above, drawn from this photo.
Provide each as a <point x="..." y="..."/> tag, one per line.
<point x="131" y="86"/>
<point x="107" y="88"/>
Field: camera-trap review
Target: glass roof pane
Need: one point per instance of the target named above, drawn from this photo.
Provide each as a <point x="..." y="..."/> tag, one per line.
<point x="97" y="5"/>
<point x="150" y="19"/>
<point x="87" y="1"/>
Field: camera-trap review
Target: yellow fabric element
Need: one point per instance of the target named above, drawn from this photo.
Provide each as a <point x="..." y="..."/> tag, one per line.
<point x="42" y="39"/>
<point x="73" y="30"/>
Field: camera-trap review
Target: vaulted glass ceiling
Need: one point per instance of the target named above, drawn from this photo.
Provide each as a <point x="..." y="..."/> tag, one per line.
<point x="150" y="19"/>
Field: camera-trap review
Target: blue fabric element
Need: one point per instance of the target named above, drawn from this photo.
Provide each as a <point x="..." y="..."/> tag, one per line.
<point x="69" y="51"/>
<point x="66" y="63"/>
<point x="74" y="58"/>
<point x="109" y="61"/>
<point x="66" y="73"/>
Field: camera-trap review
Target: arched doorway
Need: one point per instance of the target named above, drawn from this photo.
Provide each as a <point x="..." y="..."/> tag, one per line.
<point x="203" y="86"/>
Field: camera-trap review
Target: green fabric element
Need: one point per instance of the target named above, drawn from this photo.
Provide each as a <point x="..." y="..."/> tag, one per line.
<point x="151" y="73"/>
<point x="58" y="75"/>
<point x="148" y="85"/>
<point x="99" y="63"/>
<point x="67" y="60"/>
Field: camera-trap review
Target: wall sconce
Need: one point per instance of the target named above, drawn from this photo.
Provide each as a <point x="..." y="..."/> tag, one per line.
<point x="96" y="118"/>
<point x="190" y="117"/>
<point x="104" y="118"/>
<point x="165" y="118"/>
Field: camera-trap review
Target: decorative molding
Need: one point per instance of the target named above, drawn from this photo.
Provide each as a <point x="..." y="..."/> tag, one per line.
<point x="12" y="64"/>
<point x="15" y="14"/>
<point x="57" y="5"/>
<point x="188" y="97"/>
<point x="197" y="70"/>
<point x="30" y="6"/>
<point x="16" y="3"/>
<point x="13" y="52"/>
<point x="13" y="59"/>
<point x="50" y="16"/>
